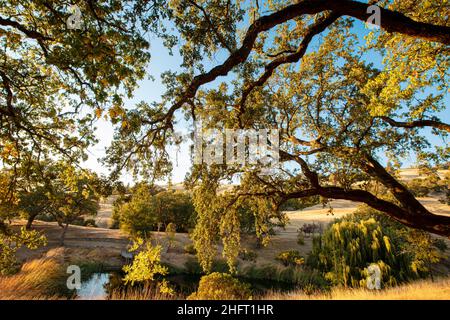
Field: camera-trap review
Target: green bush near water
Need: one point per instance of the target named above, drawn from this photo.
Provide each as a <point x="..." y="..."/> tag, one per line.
<point x="192" y="266"/>
<point x="190" y="249"/>
<point x="302" y="277"/>
<point x="221" y="286"/>
<point x="248" y="255"/>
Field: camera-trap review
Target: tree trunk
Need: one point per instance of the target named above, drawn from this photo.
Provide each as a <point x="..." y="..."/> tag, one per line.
<point x="63" y="234"/>
<point x="30" y="222"/>
<point x="400" y="192"/>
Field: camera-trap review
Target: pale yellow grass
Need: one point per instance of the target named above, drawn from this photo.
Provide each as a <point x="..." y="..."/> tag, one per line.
<point x="37" y="279"/>
<point x="419" y="290"/>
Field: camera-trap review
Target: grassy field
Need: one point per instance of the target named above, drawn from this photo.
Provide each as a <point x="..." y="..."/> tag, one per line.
<point x="420" y="290"/>
<point x="38" y="279"/>
<point x="42" y="279"/>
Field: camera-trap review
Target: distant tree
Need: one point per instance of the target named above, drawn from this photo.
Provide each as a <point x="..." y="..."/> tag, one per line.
<point x="145" y="211"/>
<point x="34" y="188"/>
<point x="136" y="214"/>
<point x="171" y="230"/>
<point x="58" y="190"/>
<point x="74" y="196"/>
<point x="10" y="242"/>
<point x="35" y="202"/>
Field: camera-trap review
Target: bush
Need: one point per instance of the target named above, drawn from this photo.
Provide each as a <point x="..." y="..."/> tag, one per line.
<point x="192" y="266"/>
<point x="90" y="223"/>
<point x="190" y="249"/>
<point x="290" y="258"/>
<point x="300" y="238"/>
<point x="301" y="277"/>
<point x="146" y="265"/>
<point x="221" y="286"/>
<point x="351" y="244"/>
<point x="248" y="255"/>
<point x="440" y="244"/>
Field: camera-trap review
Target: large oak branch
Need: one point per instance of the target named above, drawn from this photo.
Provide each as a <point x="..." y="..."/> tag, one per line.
<point x="417" y="124"/>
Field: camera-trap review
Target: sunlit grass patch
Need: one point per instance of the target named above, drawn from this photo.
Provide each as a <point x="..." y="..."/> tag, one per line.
<point x="419" y="290"/>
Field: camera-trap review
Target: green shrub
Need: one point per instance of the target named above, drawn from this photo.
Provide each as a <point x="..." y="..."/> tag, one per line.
<point x="221" y="286"/>
<point x="147" y="209"/>
<point x="190" y="249"/>
<point x="192" y="266"/>
<point x="290" y="258"/>
<point x="248" y="255"/>
<point x="300" y="238"/>
<point x="90" y="223"/>
<point x="300" y="204"/>
<point x="440" y="244"/>
<point x="351" y="244"/>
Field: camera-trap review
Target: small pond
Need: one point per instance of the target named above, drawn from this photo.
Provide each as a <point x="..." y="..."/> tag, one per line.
<point x="98" y="285"/>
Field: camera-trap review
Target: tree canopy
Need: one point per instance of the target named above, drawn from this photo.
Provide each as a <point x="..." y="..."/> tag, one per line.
<point x="296" y="66"/>
<point x="301" y="67"/>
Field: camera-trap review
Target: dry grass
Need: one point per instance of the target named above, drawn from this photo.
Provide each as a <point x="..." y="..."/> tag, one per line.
<point x="149" y="292"/>
<point x="420" y="290"/>
<point x="78" y="255"/>
<point x="38" y="279"/>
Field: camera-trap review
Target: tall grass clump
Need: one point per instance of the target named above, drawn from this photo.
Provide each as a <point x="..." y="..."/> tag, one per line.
<point x="37" y="279"/>
<point x="147" y="291"/>
<point x="418" y="290"/>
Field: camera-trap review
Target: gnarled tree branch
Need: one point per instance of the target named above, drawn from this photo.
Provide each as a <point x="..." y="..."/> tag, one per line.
<point x="417" y="124"/>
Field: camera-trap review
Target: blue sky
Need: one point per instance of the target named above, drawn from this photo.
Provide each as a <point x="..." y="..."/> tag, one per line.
<point x="151" y="90"/>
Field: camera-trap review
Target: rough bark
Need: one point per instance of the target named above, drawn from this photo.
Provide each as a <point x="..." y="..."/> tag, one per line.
<point x="63" y="234"/>
<point x="30" y="221"/>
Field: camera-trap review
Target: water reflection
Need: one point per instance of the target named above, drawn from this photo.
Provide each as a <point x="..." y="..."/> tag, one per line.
<point x="95" y="288"/>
